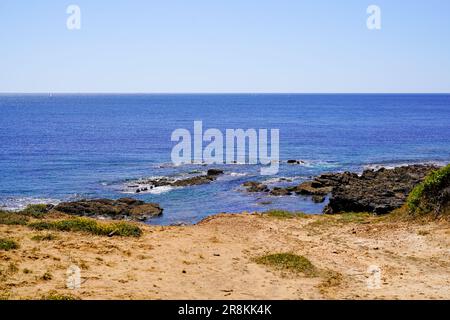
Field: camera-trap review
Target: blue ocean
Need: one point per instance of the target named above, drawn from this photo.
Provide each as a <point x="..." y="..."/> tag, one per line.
<point x="66" y="147"/>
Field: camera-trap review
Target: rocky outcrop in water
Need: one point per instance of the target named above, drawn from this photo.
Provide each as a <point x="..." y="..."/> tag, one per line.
<point x="125" y="208"/>
<point x="378" y="192"/>
<point x="295" y="162"/>
<point x="149" y="184"/>
<point x="253" y="186"/>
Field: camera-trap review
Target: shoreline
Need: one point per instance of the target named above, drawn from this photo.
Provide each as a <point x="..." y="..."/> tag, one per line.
<point x="249" y="255"/>
<point x="188" y="180"/>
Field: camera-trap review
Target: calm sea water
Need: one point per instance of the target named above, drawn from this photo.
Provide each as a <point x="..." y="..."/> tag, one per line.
<point x="65" y="147"/>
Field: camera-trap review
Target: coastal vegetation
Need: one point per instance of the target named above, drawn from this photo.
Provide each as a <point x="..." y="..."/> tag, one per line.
<point x="35" y="217"/>
<point x="54" y="295"/>
<point x="124" y="229"/>
<point x="37" y="211"/>
<point x="8" y="244"/>
<point x="432" y="195"/>
<point x="288" y="262"/>
<point x="13" y="218"/>
<point x="44" y="237"/>
<point x="283" y="214"/>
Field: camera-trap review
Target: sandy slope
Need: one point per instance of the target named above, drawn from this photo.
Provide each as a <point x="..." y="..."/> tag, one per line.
<point x="213" y="260"/>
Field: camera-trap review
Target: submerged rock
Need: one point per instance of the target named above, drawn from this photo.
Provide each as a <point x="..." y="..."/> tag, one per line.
<point x="124" y="208"/>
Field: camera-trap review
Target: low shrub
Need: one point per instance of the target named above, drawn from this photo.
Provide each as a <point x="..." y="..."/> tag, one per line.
<point x="13" y="218"/>
<point x="431" y="194"/>
<point x="91" y="226"/>
<point x="35" y="210"/>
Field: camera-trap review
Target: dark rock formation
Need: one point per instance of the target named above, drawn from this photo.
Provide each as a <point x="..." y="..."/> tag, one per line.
<point x="253" y="186"/>
<point x="214" y="172"/>
<point x="378" y="192"/>
<point x="313" y="188"/>
<point x="277" y="191"/>
<point x="295" y="162"/>
<point x="125" y="208"/>
<point x="149" y="184"/>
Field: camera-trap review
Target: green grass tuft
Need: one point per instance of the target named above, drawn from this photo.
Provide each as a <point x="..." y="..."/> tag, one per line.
<point x="54" y="295"/>
<point x="283" y="214"/>
<point x="288" y="262"/>
<point x="44" y="237"/>
<point x="420" y="199"/>
<point x="35" y="210"/>
<point x="8" y="244"/>
<point x="13" y="218"/>
<point x="355" y="217"/>
<point x="21" y="218"/>
<point x="123" y="229"/>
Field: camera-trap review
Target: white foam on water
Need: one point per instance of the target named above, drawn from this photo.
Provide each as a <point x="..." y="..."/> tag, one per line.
<point x="238" y="174"/>
<point x="160" y="190"/>
<point x="20" y="203"/>
<point x="377" y="166"/>
<point x="283" y="179"/>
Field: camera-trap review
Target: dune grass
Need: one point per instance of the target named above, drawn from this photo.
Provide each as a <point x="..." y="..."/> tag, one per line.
<point x="288" y="262"/>
<point x="21" y="218"/>
<point x="44" y="237"/>
<point x="8" y="244"/>
<point x="35" y="210"/>
<point x="13" y="218"/>
<point x="91" y="226"/>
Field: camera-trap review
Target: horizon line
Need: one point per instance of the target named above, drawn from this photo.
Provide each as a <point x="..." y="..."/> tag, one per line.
<point x="217" y="93"/>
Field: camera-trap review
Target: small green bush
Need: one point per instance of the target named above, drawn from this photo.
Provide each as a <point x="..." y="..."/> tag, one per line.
<point x="13" y="218"/>
<point x="8" y="244"/>
<point x="35" y="210"/>
<point x="423" y="197"/>
<point x="123" y="229"/>
<point x="289" y="262"/>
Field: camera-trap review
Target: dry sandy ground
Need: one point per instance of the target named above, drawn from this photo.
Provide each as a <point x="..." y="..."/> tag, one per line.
<point x="214" y="260"/>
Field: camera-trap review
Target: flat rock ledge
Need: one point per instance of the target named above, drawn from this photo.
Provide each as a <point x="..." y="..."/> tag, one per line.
<point x="121" y="209"/>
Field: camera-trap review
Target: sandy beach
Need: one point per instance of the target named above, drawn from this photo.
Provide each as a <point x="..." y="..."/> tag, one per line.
<point x="215" y="259"/>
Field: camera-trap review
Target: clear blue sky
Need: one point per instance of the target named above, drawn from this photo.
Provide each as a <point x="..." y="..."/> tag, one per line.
<point x="225" y="46"/>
